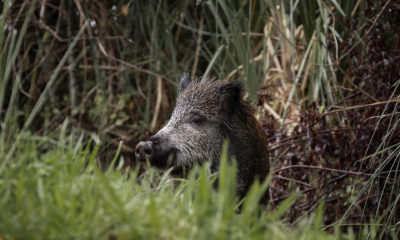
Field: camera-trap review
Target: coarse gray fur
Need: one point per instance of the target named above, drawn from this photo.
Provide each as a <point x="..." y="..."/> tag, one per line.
<point x="206" y="113"/>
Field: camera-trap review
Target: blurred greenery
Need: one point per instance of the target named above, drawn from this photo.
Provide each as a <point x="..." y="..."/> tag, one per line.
<point x="62" y="194"/>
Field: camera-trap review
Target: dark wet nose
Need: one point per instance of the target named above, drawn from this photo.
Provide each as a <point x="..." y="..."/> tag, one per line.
<point x="144" y="149"/>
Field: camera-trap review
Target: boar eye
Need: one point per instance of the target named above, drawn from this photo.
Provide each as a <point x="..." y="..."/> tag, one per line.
<point x="196" y="120"/>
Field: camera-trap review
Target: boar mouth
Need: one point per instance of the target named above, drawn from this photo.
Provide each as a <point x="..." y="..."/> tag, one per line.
<point x="164" y="158"/>
<point x="168" y="159"/>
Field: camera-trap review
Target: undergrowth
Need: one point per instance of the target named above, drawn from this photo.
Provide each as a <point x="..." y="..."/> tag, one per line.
<point x="53" y="189"/>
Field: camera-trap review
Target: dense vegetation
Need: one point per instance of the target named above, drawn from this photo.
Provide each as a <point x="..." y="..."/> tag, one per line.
<point x="81" y="82"/>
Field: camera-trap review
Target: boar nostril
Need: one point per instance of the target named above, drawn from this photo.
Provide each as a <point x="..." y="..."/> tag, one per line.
<point x="144" y="150"/>
<point x="148" y="151"/>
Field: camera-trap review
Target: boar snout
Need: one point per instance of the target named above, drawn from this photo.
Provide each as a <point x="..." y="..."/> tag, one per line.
<point x="144" y="150"/>
<point x="159" y="153"/>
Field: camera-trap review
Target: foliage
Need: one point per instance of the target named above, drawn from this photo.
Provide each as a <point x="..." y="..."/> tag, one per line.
<point x="58" y="191"/>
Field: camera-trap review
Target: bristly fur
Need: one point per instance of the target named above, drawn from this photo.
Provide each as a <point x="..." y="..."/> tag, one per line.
<point x="223" y="114"/>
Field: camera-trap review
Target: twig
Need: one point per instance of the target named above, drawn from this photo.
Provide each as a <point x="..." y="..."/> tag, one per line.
<point x="198" y="46"/>
<point x="158" y="101"/>
<point x="240" y="67"/>
<point x="293" y="180"/>
<point x="322" y="168"/>
<point x="52" y="32"/>
<point x="132" y="66"/>
<point x="332" y="170"/>
<point x="362" y="106"/>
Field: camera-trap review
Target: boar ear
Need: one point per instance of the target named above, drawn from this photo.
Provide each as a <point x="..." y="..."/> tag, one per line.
<point x="185" y="80"/>
<point x="230" y="97"/>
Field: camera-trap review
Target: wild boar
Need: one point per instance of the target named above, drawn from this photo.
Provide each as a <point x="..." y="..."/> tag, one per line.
<point x="206" y="113"/>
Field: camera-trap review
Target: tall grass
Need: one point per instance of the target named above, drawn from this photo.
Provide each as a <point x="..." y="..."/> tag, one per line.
<point x="55" y="189"/>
